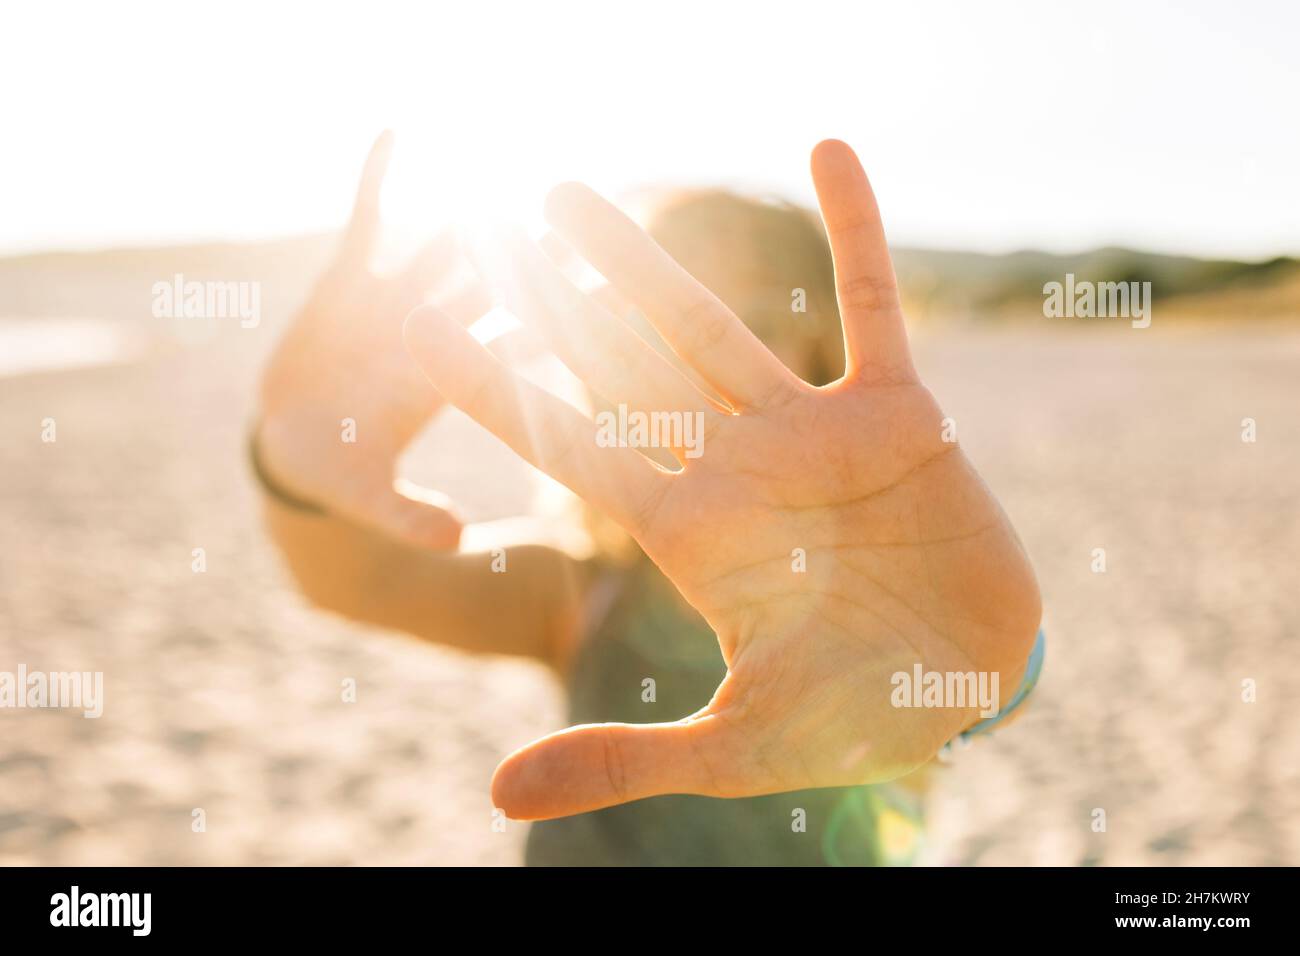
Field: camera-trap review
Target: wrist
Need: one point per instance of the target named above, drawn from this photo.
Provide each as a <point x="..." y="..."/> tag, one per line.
<point x="273" y="485"/>
<point x="1033" y="668"/>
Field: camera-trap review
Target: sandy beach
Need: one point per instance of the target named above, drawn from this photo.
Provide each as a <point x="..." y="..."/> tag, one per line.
<point x="222" y="688"/>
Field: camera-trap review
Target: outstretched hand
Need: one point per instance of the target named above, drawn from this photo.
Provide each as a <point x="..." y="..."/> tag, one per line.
<point x="342" y="361"/>
<point x="830" y="536"/>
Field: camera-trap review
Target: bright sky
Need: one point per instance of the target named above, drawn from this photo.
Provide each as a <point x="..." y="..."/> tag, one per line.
<point x="992" y="126"/>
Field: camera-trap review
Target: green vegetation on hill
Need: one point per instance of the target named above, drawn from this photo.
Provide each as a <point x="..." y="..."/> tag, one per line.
<point x="982" y="284"/>
<point x="116" y="283"/>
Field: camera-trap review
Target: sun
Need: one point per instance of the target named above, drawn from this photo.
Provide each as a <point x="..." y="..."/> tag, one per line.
<point x="433" y="184"/>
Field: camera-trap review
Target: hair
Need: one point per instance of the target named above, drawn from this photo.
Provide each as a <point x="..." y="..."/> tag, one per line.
<point x="757" y="255"/>
<point x="764" y="259"/>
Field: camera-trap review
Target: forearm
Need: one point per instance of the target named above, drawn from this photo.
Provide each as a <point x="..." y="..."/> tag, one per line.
<point x="451" y="598"/>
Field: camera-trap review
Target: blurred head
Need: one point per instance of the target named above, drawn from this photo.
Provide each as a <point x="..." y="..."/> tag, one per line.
<point x="754" y="254"/>
<point x="766" y="260"/>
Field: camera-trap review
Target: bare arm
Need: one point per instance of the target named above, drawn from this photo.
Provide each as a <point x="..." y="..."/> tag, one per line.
<point x="452" y="597"/>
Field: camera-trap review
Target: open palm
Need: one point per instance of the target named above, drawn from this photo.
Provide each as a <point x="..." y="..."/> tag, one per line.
<point x="830" y="536"/>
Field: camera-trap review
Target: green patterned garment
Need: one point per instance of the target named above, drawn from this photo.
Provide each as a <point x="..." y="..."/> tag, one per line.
<point x="648" y="632"/>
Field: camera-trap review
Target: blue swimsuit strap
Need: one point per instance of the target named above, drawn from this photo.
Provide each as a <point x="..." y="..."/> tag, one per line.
<point x="1032" y="670"/>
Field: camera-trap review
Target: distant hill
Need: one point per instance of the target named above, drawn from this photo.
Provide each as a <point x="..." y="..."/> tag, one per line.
<point x="116" y="283"/>
<point x="1005" y="286"/>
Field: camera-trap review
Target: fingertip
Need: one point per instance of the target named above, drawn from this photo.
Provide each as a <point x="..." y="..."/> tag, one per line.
<point x="551" y="777"/>
<point x="830" y="153"/>
<point x="380" y="150"/>
<point x="436" y="530"/>
<point x="553" y="245"/>
<point x="423" y="326"/>
<point x="413" y="515"/>
<point x="444" y="535"/>
<point x="417" y="320"/>
<point x="506" y="795"/>
<point x="565" y="200"/>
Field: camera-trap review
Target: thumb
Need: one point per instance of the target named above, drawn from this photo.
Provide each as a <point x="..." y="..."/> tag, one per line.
<point x="412" y="515"/>
<point x="593" y="766"/>
<point x="363" y="227"/>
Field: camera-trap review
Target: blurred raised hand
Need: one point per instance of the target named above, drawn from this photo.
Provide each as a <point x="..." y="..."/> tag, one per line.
<point x="906" y="556"/>
<point x="342" y="358"/>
